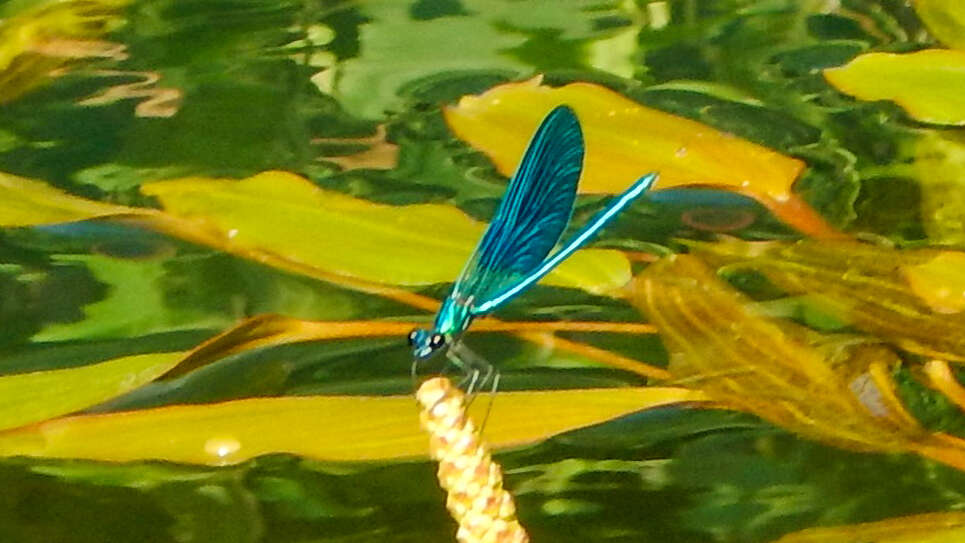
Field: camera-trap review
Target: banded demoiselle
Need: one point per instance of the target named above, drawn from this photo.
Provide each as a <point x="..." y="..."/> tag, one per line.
<point x="514" y="252"/>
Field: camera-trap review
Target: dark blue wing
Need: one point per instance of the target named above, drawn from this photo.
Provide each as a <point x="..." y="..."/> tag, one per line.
<point x="532" y="214"/>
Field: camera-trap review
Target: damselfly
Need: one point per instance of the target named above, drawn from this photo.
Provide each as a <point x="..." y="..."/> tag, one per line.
<point x="514" y="253"/>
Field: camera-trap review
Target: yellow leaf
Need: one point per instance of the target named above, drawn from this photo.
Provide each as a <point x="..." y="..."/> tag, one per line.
<point x="925" y="528"/>
<point x="25" y="202"/>
<point x="945" y="19"/>
<point x="939" y="282"/>
<point x="625" y="140"/>
<point x="285" y="215"/>
<point x="30" y="397"/>
<point x="927" y="84"/>
<point x="269" y="330"/>
<point x="37" y="41"/>
<point x="943" y="379"/>
<point x="272" y="330"/>
<point x="350" y="428"/>
<point x="866" y="285"/>
<point x="718" y="344"/>
<point x="937" y="160"/>
<point x="28" y="202"/>
<point x="708" y="331"/>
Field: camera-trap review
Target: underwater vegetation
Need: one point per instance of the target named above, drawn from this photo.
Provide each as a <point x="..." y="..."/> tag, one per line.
<point x="220" y="220"/>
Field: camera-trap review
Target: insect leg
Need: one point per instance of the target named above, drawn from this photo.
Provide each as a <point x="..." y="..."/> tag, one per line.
<point x="481" y="372"/>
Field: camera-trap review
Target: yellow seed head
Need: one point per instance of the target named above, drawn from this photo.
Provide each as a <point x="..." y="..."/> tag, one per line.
<point x="474" y="483"/>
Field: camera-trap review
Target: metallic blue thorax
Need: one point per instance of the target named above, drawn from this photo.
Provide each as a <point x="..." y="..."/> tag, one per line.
<point x="454" y="317"/>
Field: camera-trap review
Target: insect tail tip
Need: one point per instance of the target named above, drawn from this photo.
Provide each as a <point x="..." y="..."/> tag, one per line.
<point x="649" y="179"/>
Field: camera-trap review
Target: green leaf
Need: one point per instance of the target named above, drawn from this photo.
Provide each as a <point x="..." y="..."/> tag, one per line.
<point x="489" y="36"/>
<point x="135" y="305"/>
<point x="574" y="19"/>
<point x="395" y="50"/>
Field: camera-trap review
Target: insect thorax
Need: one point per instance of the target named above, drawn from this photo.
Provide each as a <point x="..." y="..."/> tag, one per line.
<point x="454" y="317"/>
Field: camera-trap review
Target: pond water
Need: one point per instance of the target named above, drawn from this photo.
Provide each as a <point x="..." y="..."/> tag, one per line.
<point x="110" y="109"/>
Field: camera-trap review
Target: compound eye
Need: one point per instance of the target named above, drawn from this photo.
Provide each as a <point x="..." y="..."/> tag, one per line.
<point x="437" y="340"/>
<point x="413" y="335"/>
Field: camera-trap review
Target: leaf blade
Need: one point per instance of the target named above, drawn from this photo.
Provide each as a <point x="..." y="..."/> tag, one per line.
<point x="625" y="140"/>
<point x="31" y="397"/>
<point x="284" y="215"/>
<point x="337" y="428"/>
<point x="926" y="84"/>
<point x="28" y="202"/>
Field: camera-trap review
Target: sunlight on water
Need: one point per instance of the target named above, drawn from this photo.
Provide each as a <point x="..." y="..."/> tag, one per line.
<point x="222" y="448"/>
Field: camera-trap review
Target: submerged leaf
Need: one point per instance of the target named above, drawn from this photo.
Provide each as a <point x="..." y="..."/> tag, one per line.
<point x="40" y="395"/>
<point x="937" y="162"/>
<point x="927" y="84"/>
<point x="27" y="202"/>
<point x="721" y="347"/>
<point x="733" y="355"/>
<point x="906" y="297"/>
<point x="625" y="140"/>
<point x="282" y="214"/>
<point x="38" y="41"/>
<point x="135" y="303"/>
<point x="401" y="49"/>
<point x="283" y="220"/>
<point x="272" y="330"/>
<point x="396" y="51"/>
<point x="939" y="282"/>
<point x="348" y="428"/>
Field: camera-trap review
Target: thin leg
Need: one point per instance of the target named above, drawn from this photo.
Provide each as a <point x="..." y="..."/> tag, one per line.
<point x="470" y="375"/>
<point x="475" y="365"/>
<point x="466" y="359"/>
<point x="492" y="398"/>
<point x="443" y="371"/>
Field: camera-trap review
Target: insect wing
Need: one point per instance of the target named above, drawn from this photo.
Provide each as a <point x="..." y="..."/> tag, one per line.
<point x="587" y="233"/>
<point x="533" y="213"/>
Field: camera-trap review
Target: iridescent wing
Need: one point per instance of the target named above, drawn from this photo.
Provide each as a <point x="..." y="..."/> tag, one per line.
<point x="578" y="240"/>
<point x="532" y="215"/>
